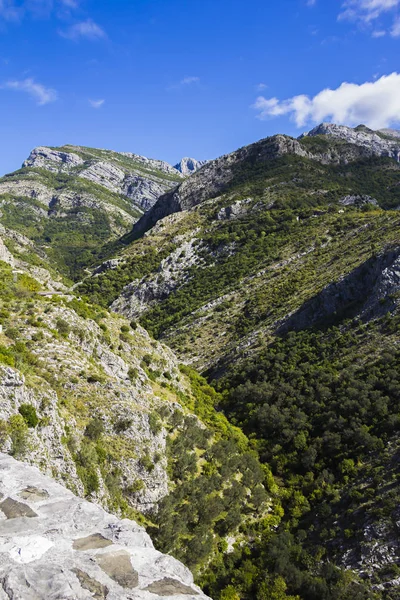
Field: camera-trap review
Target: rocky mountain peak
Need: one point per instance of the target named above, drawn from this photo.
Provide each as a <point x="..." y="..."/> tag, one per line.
<point x="188" y="166"/>
<point x="378" y="143"/>
<point x="136" y="177"/>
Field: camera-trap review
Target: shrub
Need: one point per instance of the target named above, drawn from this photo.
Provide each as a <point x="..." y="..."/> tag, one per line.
<point x="19" y="435"/>
<point x="122" y="425"/>
<point x="147" y="359"/>
<point x="28" y="412"/>
<point x="63" y="327"/>
<point x="132" y="373"/>
<point x="94" y="429"/>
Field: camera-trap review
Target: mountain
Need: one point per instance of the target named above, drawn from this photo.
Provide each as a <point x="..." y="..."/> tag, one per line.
<point x="56" y="545"/>
<point x="138" y="178"/>
<point x="188" y="166"/>
<point x="380" y="143"/>
<point x="240" y="229"/>
<point x="326" y="144"/>
<point x="72" y="202"/>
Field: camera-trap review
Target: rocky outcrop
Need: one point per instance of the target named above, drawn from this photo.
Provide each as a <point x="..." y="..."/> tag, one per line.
<point x="152" y="163"/>
<point x="5" y="254"/>
<point x="358" y="200"/>
<point x="54" y="545"/>
<point x="188" y="166"/>
<point x="235" y="210"/>
<point x="139" y="295"/>
<point x="373" y="143"/>
<point x="144" y="192"/>
<point x="52" y="160"/>
<point x="105" y="174"/>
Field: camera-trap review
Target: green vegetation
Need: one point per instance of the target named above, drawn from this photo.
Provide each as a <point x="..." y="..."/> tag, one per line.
<point x="219" y="485"/>
<point x="321" y="408"/>
<point x="28" y="412"/>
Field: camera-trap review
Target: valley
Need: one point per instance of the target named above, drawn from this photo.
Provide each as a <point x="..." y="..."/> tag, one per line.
<point x="211" y="350"/>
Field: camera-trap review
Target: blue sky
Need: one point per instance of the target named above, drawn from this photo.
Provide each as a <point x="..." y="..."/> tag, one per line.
<point x="169" y="78"/>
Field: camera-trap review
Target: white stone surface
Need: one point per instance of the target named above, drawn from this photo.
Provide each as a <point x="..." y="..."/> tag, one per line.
<point x="60" y="553"/>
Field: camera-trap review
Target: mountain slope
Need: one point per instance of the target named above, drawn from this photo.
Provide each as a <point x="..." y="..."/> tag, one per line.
<point x="74" y="202"/>
<point x="326" y="144"/>
<point x="275" y="271"/>
<point x="99" y="405"/>
<point x="234" y="268"/>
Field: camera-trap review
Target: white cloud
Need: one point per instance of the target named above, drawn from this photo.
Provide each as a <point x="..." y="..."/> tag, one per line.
<point x="395" y="31"/>
<point x="374" y="103"/>
<point x="43" y="95"/>
<point x="366" y="10"/>
<point x="185" y="82"/>
<point x="189" y="80"/>
<point x="85" y="29"/>
<point x="261" y="86"/>
<point x="96" y="103"/>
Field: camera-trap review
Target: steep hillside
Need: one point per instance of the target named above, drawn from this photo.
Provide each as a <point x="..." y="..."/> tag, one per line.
<point x="326" y="144"/>
<point x="220" y="276"/>
<point x="92" y="400"/>
<point x="74" y="202"/>
<point x="275" y="271"/>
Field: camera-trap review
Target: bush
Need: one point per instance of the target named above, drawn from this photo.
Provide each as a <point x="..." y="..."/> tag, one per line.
<point x="28" y="412"/>
<point x="94" y="429"/>
<point x="19" y="435"/>
<point x="132" y="373"/>
<point x="63" y="327"/>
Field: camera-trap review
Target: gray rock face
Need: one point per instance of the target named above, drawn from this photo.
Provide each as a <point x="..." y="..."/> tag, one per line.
<point x="5" y="254"/>
<point x="56" y="546"/>
<point x="52" y="160"/>
<point x="362" y="137"/>
<point x="140" y="179"/>
<point x="188" y="166"/>
<point x="234" y="210"/>
<point x="358" y="200"/>
<point x="144" y="192"/>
